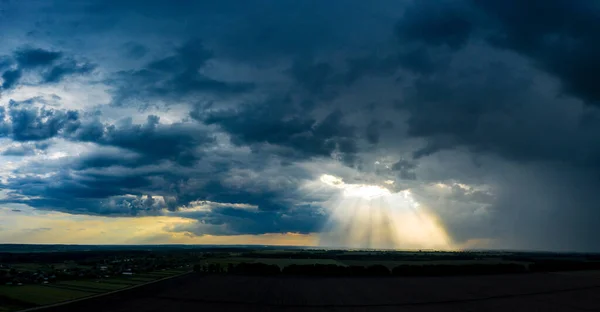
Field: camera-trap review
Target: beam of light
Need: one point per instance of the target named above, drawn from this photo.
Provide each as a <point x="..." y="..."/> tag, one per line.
<point x="365" y="191"/>
<point x="371" y="216"/>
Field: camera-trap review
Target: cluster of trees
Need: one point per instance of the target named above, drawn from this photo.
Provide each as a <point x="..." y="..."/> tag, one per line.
<point x="13" y="276"/>
<point x="374" y="270"/>
<point x="364" y="255"/>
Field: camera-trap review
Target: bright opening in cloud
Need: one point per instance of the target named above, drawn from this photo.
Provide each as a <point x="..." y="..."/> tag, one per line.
<point x="366" y="191"/>
<point x="371" y="216"/>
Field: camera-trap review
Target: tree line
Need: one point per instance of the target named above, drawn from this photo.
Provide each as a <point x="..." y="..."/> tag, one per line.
<point x="257" y="268"/>
<point x="373" y="270"/>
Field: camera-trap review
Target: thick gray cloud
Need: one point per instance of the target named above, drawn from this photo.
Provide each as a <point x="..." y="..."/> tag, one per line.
<point x="179" y="139"/>
<point x="23" y="123"/>
<point x="242" y="102"/>
<point x="173" y="77"/>
<point x="280" y="123"/>
<point x="10" y="77"/>
<point x="559" y="36"/>
<point x="51" y="66"/>
<point x="35" y="57"/>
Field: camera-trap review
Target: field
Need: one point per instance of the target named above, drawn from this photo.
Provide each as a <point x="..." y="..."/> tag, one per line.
<point x="393" y="264"/>
<point x="281" y="262"/>
<point x="267" y="278"/>
<point x="41" y="295"/>
<point x="18" y="297"/>
<point x="578" y="291"/>
<point x="390" y="264"/>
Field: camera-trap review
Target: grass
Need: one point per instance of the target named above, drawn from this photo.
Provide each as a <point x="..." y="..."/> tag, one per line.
<point x="120" y="281"/>
<point x="30" y="267"/>
<point x="38" y="295"/>
<point x="282" y="262"/>
<point x="161" y="274"/>
<point x="276" y="261"/>
<point x="285" y="262"/>
<point x="92" y="284"/>
<point x="394" y="263"/>
<point x="41" y="295"/>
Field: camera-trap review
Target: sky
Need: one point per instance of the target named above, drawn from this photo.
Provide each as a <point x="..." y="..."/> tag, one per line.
<point x="476" y="124"/>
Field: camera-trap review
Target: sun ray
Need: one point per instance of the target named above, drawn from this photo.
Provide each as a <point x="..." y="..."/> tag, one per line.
<point x="371" y="216"/>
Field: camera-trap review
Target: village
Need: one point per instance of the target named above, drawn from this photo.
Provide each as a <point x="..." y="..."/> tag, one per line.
<point x="18" y="274"/>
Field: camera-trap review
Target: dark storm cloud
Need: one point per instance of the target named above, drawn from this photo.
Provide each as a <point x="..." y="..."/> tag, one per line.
<point x="266" y="200"/>
<point x="271" y="29"/>
<point x="296" y="28"/>
<point x="34" y="57"/>
<point x="66" y="68"/>
<point x="435" y="23"/>
<point x="494" y="103"/>
<point x="102" y="186"/>
<point x="11" y="78"/>
<point x="176" y="142"/>
<point x="173" y="77"/>
<point x="236" y="221"/>
<point x="451" y="109"/>
<point x="85" y="192"/>
<point x="51" y="66"/>
<point x="314" y="77"/>
<point x="280" y="123"/>
<point x="108" y="158"/>
<point x="136" y="160"/>
<point x="559" y="36"/>
<point x="373" y="129"/>
<point x="552" y="209"/>
<point x="405" y="169"/>
<point x="5" y="63"/>
<point x="81" y="184"/>
<point x="489" y="103"/>
<point x="36" y="124"/>
<point x="426" y="32"/>
<point x="135" y="50"/>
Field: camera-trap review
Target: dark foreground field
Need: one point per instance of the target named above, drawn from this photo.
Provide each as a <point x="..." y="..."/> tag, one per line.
<point x="576" y="291"/>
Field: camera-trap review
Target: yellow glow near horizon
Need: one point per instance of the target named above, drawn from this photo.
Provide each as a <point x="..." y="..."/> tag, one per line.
<point x="371" y="216"/>
<point x="63" y="228"/>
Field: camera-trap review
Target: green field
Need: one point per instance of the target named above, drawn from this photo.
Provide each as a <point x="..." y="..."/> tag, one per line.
<point x="41" y="295"/>
<point x="394" y="263"/>
<point x="276" y="261"/>
<point x="19" y="297"/>
<point x="93" y="284"/>
<point x="283" y="262"/>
